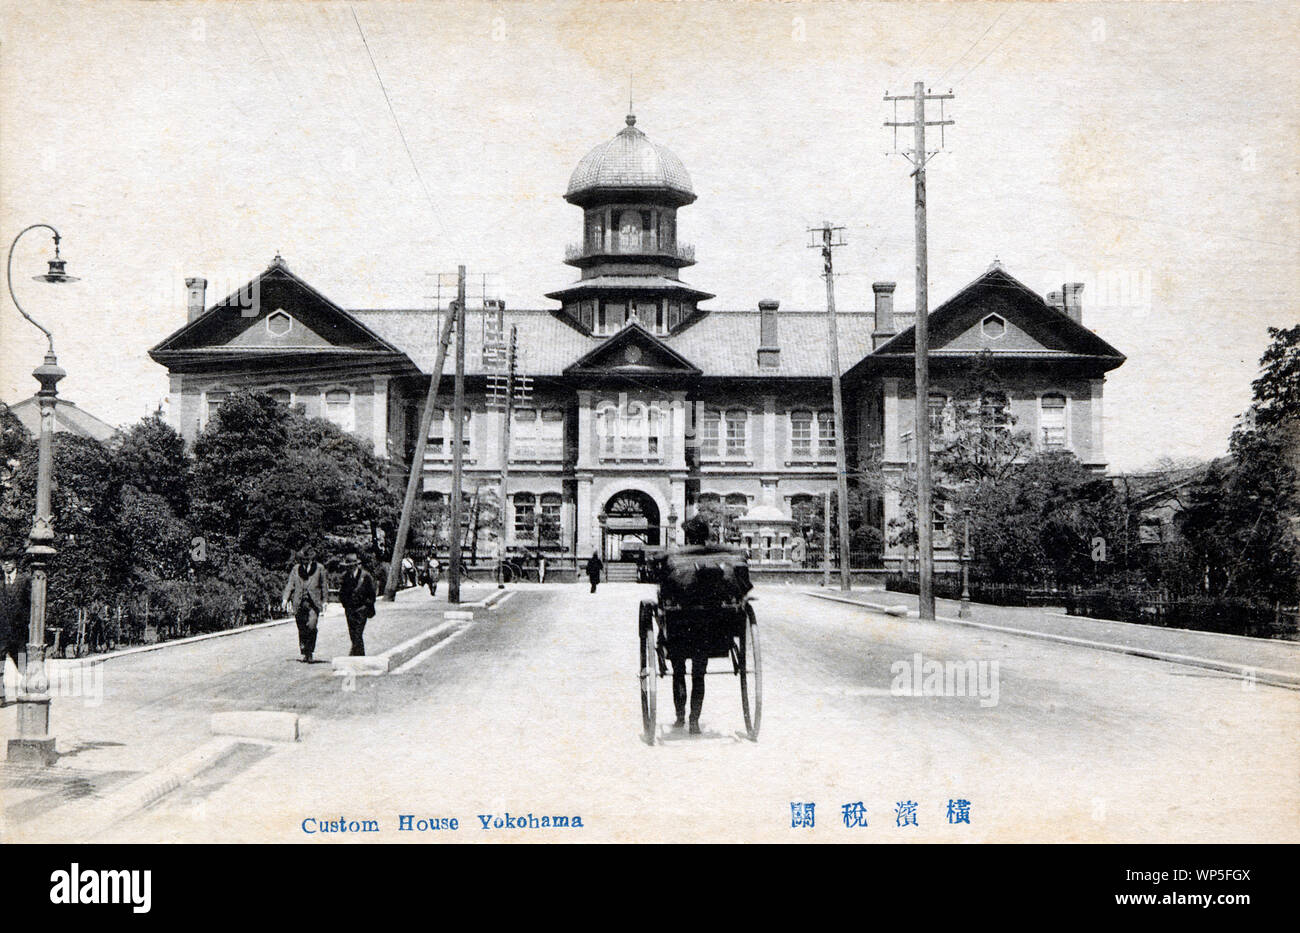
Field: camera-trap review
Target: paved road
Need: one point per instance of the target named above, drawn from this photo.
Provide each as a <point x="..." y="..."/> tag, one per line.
<point x="534" y="708"/>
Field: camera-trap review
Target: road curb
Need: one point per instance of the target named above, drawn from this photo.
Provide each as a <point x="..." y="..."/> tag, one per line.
<point x="395" y="657"/>
<point x="79" y="823"/>
<point x="330" y="612"/>
<point x="1263" y="675"/>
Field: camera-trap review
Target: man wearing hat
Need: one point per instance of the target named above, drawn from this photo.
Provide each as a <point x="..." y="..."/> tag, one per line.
<point x="15" y="614"/>
<point x="357" y="592"/>
<point x="701" y="579"/>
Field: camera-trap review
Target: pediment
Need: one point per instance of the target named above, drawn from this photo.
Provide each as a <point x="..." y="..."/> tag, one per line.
<point x="276" y="311"/>
<point x="633" y="351"/>
<point x="999" y="314"/>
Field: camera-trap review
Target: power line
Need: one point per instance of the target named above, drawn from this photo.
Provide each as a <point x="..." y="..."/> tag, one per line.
<point x="398" y="123"/>
<point x="1008" y="35"/>
<point x="973" y="44"/>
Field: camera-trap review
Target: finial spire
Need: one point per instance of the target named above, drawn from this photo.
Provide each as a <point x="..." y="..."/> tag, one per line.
<point x="631" y="111"/>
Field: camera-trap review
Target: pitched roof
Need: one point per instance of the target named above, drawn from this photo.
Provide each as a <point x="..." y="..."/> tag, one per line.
<point x="1045" y="331"/>
<point x="719" y="343"/>
<point x="226" y="329"/>
<point x="68" y="419"/>
<point x="633" y="350"/>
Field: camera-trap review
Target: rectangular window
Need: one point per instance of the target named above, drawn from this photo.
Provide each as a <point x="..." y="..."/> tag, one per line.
<point x="737" y="423"/>
<point x="826" y="435"/>
<point x="523" y="434"/>
<point x="1052" y="421"/>
<point x="936" y="405"/>
<point x="710" y="424"/>
<point x="525" y="516"/>
<point x="588" y="314"/>
<point x="339" y="409"/>
<point x="550" y="435"/>
<point x="801" y="435"/>
<point x="441" y="437"/>
<point x="602" y="321"/>
<point x="215" y="399"/>
<point x="674" y="314"/>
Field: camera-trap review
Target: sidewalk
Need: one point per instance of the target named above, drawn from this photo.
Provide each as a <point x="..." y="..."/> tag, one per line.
<point x="123" y="715"/>
<point x="1272" y="661"/>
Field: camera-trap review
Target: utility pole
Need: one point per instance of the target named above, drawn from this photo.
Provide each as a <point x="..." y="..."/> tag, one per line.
<point x="827" y="238"/>
<point x="924" y="508"/>
<point x="416" y="477"/>
<point x="458" y="441"/>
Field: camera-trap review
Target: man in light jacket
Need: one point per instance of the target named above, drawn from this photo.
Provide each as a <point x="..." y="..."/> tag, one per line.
<point x="305" y="595"/>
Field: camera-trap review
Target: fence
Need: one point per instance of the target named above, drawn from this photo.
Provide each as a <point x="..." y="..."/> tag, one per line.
<point x="1225" y="615"/>
<point x="948" y="586"/>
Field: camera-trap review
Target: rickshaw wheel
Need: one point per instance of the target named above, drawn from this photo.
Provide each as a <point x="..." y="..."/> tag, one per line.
<point x="751" y="674"/>
<point x="649" y="676"/>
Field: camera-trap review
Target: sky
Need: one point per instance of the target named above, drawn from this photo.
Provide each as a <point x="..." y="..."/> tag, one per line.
<point x="1148" y="150"/>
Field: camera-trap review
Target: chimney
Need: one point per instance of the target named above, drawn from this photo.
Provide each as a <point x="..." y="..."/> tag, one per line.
<point x="884" y="313"/>
<point x="1055" y="300"/>
<point x="196" y="289"/>
<point x="769" y="349"/>
<point x="1072" y="299"/>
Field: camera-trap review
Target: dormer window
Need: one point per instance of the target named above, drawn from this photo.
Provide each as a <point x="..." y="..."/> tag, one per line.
<point x="993" y="327"/>
<point x="278" y="323"/>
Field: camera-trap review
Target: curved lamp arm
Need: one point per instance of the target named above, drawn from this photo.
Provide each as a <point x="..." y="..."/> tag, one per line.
<point x="9" y="277"/>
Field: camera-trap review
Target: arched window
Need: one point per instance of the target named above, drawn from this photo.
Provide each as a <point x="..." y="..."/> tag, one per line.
<point x="938" y="401"/>
<point x="525" y="515"/>
<point x="550" y="517"/>
<point x="1051" y="420"/>
<point x="631" y="434"/>
<point x="281" y="395"/>
<point x="629" y="232"/>
<point x="340" y="410"/>
<point x="212" y="400"/>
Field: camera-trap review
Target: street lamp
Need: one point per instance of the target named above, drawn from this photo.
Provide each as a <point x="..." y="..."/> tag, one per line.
<point x="34" y="744"/>
<point x="964" y="610"/>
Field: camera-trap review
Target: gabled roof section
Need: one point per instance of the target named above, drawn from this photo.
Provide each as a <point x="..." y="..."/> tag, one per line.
<point x="633" y="351"/>
<point x="305" y="322"/>
<point x="1026" y="326"/>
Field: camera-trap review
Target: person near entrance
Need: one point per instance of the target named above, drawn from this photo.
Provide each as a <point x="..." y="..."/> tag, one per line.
<point x="594" y="566"/>
<point x="703" y="579"/>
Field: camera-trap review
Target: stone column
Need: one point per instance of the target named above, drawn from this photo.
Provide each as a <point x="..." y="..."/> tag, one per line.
<point x="586" y="427"/>
<point x="379" y="416"/>
<point x="586" y="518"/>
<point x="769" y="433"/>
<point x="889" y="429"/>
<point x="1097" y="450"/>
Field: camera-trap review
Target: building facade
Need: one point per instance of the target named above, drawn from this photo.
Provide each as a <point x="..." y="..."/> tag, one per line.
<point x="644" y="406"/>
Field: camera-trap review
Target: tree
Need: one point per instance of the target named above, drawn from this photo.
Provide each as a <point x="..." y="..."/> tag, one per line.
<point x="151" y="457"/>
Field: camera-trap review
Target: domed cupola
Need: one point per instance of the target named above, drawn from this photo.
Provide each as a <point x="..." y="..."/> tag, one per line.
<point x="629" y="189"/>
<point x="627" y="164"/>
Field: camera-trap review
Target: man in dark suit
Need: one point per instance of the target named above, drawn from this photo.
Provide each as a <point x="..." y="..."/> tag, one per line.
<point x="15" y="616"/>
<point x="700" y="579"/>
<point x="357" y="592"/>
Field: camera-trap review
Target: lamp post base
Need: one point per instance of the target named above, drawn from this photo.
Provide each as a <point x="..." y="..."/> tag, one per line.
<point x="34" y="745"/>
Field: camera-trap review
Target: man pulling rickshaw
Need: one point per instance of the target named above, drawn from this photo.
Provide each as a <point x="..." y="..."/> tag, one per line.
<point x="702" y="612"/>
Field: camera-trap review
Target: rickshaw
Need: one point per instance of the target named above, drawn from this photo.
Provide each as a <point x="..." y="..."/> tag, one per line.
<point x="723" y="629"/>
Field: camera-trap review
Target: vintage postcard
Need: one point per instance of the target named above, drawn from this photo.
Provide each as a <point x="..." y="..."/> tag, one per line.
<point x="571" y="421"/>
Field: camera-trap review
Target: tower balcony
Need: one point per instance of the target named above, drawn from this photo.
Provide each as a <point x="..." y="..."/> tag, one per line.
<point x="585" y="254"/>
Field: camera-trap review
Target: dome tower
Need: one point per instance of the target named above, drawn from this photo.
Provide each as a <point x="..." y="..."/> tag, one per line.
<point x="629" y="189"/>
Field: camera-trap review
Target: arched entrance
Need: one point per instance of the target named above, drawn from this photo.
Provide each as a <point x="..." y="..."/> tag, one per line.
<point x="631" y="524"/>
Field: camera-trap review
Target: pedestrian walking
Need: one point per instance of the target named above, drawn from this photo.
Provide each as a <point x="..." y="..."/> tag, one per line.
<point x="431" y="571"/>
<point x="541" y="568"/>
<point x="499" y="561"/>
<point x="408" y="571"/>
<point x="357" y="594"/>
<point x="594" y="566"/>
<point x="15" y="616"/>
<point x="305" y="595"/>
